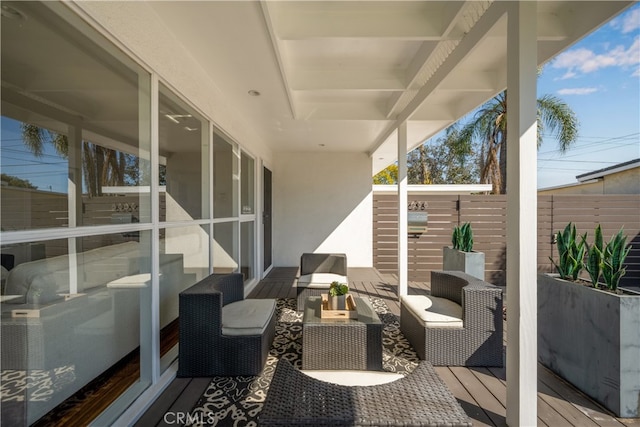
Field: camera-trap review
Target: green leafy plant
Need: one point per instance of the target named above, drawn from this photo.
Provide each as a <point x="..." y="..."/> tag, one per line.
<point x="336" y="289"/>
<point x="462" y="238"/>
<point x="613" y="258"/>
<point x="571" y="253"/>
<point x="594" y="257"/>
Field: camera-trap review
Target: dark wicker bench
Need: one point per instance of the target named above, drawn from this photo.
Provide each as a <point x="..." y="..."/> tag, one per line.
<point x="477" y="342"/>
<point x="206" y="348"/>
<point x="419" y="399"/>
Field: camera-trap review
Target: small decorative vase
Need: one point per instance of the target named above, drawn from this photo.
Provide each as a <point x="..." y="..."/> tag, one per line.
<point x="337" y="302"/>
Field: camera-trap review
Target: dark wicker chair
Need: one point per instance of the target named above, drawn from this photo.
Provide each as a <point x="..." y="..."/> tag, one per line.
<point x="419" y="399"/>
<point x="479" y="342"/>
<point x="205" y="350"/>
<point x="317" y="271"/>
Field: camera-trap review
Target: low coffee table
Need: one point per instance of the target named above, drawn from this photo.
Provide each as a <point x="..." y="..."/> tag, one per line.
<point x="344" y="344"/>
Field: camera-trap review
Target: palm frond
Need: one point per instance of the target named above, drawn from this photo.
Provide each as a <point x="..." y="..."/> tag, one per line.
<point x="558" y="118"/>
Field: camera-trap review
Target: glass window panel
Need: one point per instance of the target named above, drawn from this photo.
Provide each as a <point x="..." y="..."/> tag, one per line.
<point x="225" y="179"/>
<point x="184" y="157"/>
<point x="67" y="137"/>
<point x="247" y="183"/>
<point x="70" y="310"/>
<point x="247" y="243"/>
<point x="184" y="260"/>
<point x="225" y="247"/>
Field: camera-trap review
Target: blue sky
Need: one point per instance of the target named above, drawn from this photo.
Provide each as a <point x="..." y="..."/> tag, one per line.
<point x="48" y="172"/>
<point x="599" y="78"/>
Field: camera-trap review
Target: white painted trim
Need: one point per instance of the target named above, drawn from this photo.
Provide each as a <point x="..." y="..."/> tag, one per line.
<point x="121" y="189"/>
<point x="250" y="286"/>
<point x="573" y="184"/>
<point x="154" y="349"/>
<point x="137" y="409"/>
<point x="403" y="226"/>
<point x="436" y="188"/>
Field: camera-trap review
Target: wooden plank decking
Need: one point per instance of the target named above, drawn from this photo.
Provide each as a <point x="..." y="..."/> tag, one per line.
<point x="481" y="391"/>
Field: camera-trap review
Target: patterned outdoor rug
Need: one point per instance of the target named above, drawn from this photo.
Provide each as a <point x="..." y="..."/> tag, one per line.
<point x="237" y="401"/>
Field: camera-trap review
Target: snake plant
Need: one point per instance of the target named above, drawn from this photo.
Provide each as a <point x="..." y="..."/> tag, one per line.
<point x="613" y="258"/>
<point x="571" y="253"/>
<point x="462" y="238"/>
<point x="594" y="257"/>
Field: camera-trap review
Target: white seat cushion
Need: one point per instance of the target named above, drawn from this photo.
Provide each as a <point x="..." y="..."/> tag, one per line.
<point x="435" y="312"/>
<point x="320" y="280"/>
<point x="247" y="317"/>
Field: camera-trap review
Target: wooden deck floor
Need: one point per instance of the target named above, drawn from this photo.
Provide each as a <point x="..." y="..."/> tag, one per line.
<point x="480" y="391"/>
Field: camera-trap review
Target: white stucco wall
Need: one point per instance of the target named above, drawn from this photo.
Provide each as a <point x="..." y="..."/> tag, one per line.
<point x="322" y="202"/>
<point x="624" y="182"/>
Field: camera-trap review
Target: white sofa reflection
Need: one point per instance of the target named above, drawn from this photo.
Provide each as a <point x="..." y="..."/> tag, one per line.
<point x="47" y="330"/>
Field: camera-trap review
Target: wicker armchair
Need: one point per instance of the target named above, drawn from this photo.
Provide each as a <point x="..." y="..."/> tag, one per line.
<point x="221" y="333"/>
<point x="473" y="337"/>
<point x="317" y="271"/>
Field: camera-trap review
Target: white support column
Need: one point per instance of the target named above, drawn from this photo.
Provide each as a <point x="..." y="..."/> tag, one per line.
<point x="522" y="216"/>
<point x="403" y="244"/>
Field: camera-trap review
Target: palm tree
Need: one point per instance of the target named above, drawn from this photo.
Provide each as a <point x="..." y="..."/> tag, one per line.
<point x="489" y="125"/>
<point x="101" y="166"/>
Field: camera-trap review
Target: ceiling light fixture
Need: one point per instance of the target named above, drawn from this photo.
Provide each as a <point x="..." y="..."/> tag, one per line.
<point x="253" y="93"/>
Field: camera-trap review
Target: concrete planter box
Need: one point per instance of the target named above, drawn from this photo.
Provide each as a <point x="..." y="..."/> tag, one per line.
<point x="591" y="338"/>
<point x="469" y="262"/>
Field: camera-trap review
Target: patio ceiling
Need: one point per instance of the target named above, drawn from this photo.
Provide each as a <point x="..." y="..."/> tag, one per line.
<point x="341" y="75"/>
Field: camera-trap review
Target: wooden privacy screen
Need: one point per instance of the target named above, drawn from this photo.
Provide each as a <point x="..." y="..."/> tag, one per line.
<point x="488" y="216"/>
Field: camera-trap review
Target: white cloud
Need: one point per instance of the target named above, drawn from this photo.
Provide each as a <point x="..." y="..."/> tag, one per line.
<point x="577" y="91"/>
<point x="587" y="61"/>
<point x="568" y="75"/>
<point x="628" y="22"/>
<point x="631" y="21"/>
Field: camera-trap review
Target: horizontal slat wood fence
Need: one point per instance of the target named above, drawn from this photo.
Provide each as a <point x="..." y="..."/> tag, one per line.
<point x="488" y="217"/>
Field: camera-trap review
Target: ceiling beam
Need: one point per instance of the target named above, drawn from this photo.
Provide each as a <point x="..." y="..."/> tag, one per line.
<point x="277" y="49"/>
<point x="466" y="45"/>
<point x="431" y="55"/>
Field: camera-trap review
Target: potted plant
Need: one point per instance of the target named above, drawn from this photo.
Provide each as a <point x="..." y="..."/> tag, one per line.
<point x="589" y="332"/>
<point x="461" y="256"/>
<point x="337" y="296"/>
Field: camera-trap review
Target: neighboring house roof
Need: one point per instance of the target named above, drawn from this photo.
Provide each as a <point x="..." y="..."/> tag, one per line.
<point x="594" y="176"/>
<point x="608" y="171"/>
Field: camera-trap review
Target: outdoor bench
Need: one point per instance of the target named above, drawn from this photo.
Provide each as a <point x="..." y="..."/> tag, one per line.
<point x="221" y="333"/>
<point x="459" y="324"/>
<point x="419" y="399"/>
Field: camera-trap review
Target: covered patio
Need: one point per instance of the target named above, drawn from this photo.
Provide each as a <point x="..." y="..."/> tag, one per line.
<point x="480" y="391"/>
<point x="256" y="128"/>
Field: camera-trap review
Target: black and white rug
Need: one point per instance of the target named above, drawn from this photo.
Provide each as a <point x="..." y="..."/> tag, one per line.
<point x="237" y="401"/>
